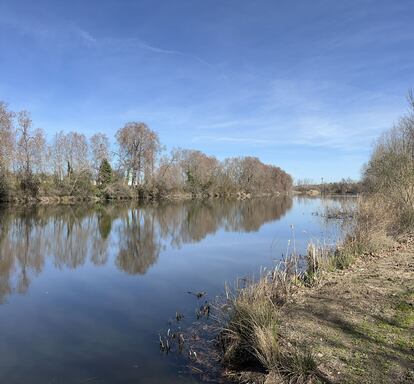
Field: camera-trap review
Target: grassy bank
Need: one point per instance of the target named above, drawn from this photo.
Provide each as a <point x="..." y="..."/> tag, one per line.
<point x="359" y="321"/>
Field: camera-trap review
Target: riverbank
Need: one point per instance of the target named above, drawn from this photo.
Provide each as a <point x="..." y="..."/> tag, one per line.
<point x="353" y="326"/>
<point x="359" y="323"/>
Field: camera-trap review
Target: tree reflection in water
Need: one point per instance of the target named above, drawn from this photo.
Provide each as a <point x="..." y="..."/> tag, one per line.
<point x="131" y="235"/>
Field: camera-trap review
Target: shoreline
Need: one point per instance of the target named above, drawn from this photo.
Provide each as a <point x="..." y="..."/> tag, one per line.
<point x="354" y="325"/>
<point x="174" y="197"/>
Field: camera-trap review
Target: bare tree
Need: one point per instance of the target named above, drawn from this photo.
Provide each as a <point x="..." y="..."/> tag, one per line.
<point x="138" y="149"/>
<point x="58" y="155"/>
<point x="76" y="153"/>
<point x="99" y="150"/>
<point x="7" y="137"/>
<point x="31" y="145"/>
<point x="169" y="173"/>
<point x="200" y="170"/>
<point x="39" y="152"/>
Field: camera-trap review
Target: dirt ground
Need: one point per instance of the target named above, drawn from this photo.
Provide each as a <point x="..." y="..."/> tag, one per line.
<point x="359" y="323"/>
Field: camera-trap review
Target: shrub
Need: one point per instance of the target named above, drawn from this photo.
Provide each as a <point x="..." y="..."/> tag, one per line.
<point x="117" y="190"/>
<point x="29" y="184"/>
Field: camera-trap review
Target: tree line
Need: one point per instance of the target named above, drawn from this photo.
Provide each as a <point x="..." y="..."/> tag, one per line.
<point x="343" y="187"/>
<point x="70" y="164"/>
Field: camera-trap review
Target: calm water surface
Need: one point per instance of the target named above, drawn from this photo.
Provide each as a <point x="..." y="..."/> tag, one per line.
<point x="85" y="291"/>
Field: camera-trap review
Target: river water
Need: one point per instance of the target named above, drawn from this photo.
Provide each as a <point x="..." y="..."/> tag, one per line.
<point x="86" y="290"/>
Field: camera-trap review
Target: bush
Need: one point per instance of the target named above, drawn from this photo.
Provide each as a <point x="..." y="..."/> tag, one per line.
<point x="81" y="185"/>
<point x="29" y="184"/>
<point x="117" y="190"/>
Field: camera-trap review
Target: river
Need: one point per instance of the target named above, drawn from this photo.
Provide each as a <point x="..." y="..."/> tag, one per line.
<point x="86" y="290"/>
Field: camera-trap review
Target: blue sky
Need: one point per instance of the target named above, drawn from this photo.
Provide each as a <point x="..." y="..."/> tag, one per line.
<point x="306" y="85"/>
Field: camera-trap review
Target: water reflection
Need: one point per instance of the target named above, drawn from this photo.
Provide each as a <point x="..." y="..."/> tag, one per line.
<point x="134" y="236"/>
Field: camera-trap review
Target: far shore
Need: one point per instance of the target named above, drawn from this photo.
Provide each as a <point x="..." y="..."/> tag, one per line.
<point x="173" y="197"/>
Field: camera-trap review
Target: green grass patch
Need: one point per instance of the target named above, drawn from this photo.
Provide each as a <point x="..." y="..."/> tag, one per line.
<point x="405" y="310"/>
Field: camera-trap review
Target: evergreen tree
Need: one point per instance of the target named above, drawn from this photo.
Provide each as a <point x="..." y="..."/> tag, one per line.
<point x="4" y="187"/>
<point x="105" y="173"/>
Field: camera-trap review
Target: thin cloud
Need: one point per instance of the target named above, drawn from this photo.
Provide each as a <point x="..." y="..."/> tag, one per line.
<point x="233" y="139"/>
<point x="227" y="124"/>
<point x="73" y="33"/>
<point x="154" y="49"/>
<point x="90" y="39"/>
<point x="281" y="142"/>
<point x="349" y="133"/>
<point x="84" y="35"/>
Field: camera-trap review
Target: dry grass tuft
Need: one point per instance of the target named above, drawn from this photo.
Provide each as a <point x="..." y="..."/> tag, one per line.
<point x="298" y="366"/>
<point x="251" y="337"/>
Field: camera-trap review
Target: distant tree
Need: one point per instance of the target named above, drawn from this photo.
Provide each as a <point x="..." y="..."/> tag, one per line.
<point x="7" y="146"/>
<point x="75" y="147"/>
<point x="57" y="149"/>
<point x="71" y="163"/>
<point x="104" y="174"/>
<point x="304" y="182"/>
<point x="99" y="146"/>
<point x="199" y="169"/>
<point x="138" y="149"/>
<point x="24" y="142"/>
<point x="7" y="137"/>
<point x="169" y="176"/>
<point x="31" y="148"/>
